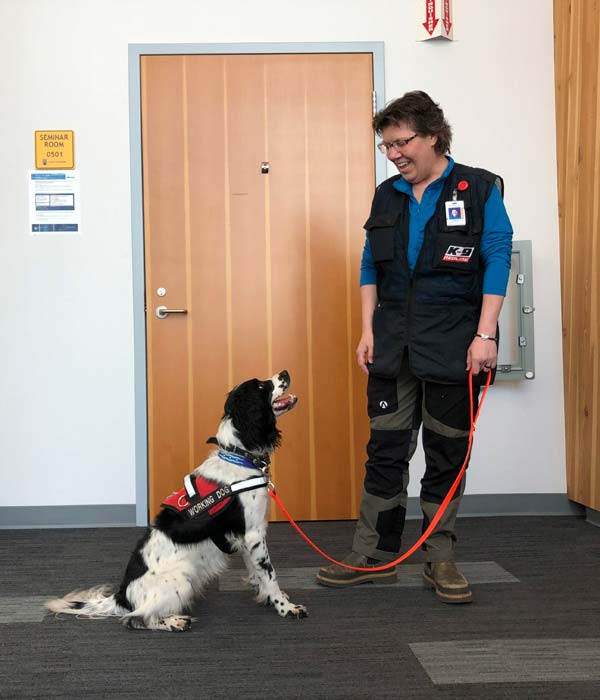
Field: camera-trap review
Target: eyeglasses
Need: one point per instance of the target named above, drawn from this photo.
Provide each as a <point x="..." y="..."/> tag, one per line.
<point x="396" y="145"/>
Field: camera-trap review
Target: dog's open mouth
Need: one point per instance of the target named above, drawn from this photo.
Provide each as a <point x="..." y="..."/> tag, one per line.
<point x="284" y="403"/>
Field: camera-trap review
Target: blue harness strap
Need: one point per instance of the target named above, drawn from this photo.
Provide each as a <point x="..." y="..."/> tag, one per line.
<point x="238" y="460"/>
<point x="241" y="458"/>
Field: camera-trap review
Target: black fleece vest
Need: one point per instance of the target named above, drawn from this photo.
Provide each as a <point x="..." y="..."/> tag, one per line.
<point x="435" y="312"/>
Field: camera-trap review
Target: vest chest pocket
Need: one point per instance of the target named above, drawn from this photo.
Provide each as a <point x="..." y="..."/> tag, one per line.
<point x="456" y="252"/>
<point x="381" y="230"/>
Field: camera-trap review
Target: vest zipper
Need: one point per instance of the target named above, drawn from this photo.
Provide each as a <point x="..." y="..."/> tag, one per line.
<point x="409" y="307"/>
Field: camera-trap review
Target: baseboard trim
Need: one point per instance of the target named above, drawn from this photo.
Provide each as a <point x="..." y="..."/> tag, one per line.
<point x="22" y="517"/>
<point x="124" y="515"/>
<point x="592" y="516"/>
<point x="488" y="505"/>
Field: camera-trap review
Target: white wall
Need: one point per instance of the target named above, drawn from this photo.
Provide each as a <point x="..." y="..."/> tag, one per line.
<point x="67" y="411"/>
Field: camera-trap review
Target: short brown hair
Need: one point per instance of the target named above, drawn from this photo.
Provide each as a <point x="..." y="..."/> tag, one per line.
<point x="420" y="112"/>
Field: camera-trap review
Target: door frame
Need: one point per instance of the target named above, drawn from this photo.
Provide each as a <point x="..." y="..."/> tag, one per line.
<point x="136" y="51"/>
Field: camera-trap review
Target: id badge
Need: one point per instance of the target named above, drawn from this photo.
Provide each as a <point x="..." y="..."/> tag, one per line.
<point x="455" y="213"/>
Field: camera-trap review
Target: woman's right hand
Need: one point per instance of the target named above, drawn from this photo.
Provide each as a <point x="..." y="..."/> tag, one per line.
<point x="364" y="351"/>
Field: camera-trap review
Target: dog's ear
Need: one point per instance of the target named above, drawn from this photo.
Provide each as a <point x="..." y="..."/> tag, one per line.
<point x="250" y="410"/>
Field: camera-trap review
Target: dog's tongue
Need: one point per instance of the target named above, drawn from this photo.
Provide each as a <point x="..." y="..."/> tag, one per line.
<point x="284" y="401"/>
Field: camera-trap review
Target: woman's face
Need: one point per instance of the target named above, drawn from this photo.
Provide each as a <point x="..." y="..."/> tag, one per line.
<point x="416" y="159"/>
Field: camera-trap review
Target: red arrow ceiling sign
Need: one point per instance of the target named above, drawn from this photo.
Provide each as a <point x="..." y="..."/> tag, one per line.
<point x="446" y="17"/>
<point x="430" y="19"/>
<point x="438" y="20"/>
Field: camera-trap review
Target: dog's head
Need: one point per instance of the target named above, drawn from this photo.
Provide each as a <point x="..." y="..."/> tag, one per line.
<point x="252" y="409"/>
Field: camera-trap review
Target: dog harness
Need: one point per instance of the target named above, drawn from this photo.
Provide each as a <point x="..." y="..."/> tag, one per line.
<point x="202" y="499"/>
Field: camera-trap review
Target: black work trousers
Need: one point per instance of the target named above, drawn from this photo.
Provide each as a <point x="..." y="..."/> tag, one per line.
<point x="397" y="409"/>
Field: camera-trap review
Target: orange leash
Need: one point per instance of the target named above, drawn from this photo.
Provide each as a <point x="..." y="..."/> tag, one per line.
<point x="436" y="517"/>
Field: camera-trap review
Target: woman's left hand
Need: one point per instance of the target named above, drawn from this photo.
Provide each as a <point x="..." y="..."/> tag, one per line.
<point x="482" y="355"/>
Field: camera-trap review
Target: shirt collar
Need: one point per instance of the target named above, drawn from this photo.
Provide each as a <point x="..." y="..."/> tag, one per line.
<point x="402" y="186"/>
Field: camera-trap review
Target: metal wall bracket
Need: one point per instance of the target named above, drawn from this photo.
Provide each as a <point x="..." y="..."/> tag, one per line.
<point x="516" y="359"/>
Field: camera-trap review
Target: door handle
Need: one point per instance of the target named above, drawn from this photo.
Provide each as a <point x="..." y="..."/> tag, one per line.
<point x="163" y="312"/>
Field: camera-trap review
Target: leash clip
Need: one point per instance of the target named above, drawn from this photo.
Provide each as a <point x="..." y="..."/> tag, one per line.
<point x="266" y="472"/>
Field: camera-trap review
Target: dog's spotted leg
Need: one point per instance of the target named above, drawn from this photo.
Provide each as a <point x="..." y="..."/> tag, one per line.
<point x="252" y="578"/>
<point x="262" y="575"/>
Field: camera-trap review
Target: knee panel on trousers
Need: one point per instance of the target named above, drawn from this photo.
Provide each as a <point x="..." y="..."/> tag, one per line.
<point x="444" y="458"/>
<point x="387" y="464"/>
<point x="445" y="437"/>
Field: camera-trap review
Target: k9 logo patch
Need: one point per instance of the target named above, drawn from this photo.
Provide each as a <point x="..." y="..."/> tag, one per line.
<point x="458" y="254"/>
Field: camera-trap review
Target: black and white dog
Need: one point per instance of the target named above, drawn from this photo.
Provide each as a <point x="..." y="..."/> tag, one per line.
<point x="221" y="509"/>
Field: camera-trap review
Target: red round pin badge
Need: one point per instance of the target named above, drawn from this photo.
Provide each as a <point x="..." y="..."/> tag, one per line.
<point x="462" y="186"/>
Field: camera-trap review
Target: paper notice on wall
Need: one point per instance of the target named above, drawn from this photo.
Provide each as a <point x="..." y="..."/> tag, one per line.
<point x="54" y="202"/>
<point x="435" y="18"/>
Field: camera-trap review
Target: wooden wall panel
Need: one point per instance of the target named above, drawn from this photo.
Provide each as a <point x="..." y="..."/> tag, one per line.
<point x="577" y="76"/>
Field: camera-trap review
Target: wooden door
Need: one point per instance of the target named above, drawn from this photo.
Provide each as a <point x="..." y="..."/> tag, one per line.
<point x="266" y="264"/>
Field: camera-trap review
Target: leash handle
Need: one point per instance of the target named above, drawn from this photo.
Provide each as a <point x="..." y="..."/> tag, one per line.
<point x="436" y="518"/>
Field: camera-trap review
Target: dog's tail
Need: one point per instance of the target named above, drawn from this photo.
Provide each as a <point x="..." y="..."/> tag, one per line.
<point x="93" y="602"/>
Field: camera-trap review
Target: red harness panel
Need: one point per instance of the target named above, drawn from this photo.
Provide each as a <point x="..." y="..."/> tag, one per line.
<point x="211" y="499"/>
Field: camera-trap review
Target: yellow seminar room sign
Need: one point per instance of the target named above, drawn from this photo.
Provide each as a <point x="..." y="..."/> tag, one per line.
<point x="54" y="150"/>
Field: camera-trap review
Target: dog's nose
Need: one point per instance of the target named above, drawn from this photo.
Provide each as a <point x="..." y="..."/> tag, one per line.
<point x="284" y="376"/>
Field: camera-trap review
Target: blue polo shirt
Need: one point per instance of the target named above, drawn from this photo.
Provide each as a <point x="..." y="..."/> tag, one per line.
<point x="496" y="237"/>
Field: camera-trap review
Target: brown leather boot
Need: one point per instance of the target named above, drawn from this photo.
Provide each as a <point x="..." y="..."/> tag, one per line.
<point x="449" y="584"/>
<point x="340" y="577"/>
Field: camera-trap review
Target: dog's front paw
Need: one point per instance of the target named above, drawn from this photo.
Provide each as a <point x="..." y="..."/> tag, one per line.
<point x="175" y="623"/>
<point x="287" y="609"/>
<point x="297" y="611"/>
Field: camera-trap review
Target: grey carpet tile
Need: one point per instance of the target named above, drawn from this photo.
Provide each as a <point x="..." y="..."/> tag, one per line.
<point x="355" y="644"/>
<point x="234" y="650"/>
<point x="409" y="576"/>
<point x="510" y="660"/>
<point x="22" y="609"/>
